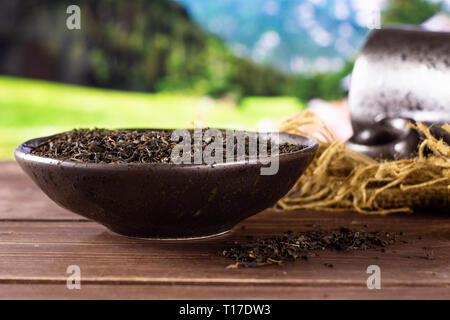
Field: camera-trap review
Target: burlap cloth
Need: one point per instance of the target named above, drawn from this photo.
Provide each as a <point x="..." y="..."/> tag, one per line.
<point x="340" y="179"/>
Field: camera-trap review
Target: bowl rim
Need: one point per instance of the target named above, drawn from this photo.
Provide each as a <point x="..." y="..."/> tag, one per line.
<point x="23" y="152"/>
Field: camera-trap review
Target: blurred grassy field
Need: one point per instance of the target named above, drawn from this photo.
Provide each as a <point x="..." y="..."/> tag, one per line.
<point x="32" y="108"/>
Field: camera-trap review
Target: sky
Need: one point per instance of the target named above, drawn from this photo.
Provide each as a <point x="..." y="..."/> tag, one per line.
<point x="302" y="36"/>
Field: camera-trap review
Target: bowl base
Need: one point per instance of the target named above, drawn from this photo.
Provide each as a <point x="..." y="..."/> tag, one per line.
<point x="169" y="238"/>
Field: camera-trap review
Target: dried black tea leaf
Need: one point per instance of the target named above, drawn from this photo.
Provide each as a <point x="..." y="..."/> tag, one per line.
<point x="136" y="146"/>
<point x="289" y="246"/>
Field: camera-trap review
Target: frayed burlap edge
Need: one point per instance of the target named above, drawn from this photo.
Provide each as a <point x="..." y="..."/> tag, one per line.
<point x="340" y="179"/>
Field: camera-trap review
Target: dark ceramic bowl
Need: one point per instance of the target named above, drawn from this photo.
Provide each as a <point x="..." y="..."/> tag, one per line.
<point x="166" y="201"/>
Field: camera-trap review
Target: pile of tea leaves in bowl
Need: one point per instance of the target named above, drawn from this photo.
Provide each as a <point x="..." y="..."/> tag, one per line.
<point x="290" y="246"/>
<point x="153" y="146"/>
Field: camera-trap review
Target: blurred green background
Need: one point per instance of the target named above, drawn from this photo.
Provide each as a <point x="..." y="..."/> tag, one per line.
<point x="149" y="63"/>
<point x="32" y="108"/>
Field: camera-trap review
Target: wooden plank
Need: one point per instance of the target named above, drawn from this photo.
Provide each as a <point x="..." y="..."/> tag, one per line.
<point x="38" y="240"/>
<point x="20" y="198"/>
<point x="41" y="251"/>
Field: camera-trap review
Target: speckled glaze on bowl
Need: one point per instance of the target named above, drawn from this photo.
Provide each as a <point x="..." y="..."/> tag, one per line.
<point x="166" y="201"/>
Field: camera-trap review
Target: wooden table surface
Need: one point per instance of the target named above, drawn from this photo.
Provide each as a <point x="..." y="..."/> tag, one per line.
<point x="39" y="240"/>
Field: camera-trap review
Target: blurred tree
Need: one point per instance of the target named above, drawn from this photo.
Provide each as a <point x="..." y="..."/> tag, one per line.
<point x="410" y="11"/>
<point x="147" y="45"/>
